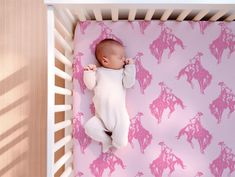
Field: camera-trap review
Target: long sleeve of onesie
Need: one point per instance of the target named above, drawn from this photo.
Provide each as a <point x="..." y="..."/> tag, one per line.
<point x="129" y="76"/>
<point x="89" y="79"/>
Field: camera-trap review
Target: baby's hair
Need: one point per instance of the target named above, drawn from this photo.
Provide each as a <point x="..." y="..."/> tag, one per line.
<point x="103" y="44"/>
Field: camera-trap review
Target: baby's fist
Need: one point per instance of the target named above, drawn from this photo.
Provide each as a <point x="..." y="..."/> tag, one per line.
<point x="129" y="61"/>
<point x="90" y="67"/>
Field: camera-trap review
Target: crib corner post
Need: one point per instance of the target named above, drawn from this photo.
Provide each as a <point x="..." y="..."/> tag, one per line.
<point x="50" y="90"/>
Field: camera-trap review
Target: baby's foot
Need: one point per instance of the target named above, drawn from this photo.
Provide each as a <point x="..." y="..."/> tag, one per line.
<point x="106" y="147"/>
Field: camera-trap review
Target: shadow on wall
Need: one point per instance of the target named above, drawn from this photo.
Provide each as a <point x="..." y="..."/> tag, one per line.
<point x="14" y="127"/>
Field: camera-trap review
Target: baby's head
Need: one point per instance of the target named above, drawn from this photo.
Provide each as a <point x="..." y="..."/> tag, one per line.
<point x="110" y="54"/>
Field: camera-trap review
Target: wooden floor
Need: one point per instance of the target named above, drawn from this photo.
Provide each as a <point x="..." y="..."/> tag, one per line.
<point x="23" y="77"/>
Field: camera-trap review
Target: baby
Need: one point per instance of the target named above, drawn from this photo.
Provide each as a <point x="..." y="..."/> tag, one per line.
<point x="110" y="125"/>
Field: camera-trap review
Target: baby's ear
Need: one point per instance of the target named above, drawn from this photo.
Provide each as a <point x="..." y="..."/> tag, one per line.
<point x="104" y="59"/>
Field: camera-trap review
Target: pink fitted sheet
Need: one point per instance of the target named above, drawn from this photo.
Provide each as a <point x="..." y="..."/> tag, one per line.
<point x="181" y="107"/>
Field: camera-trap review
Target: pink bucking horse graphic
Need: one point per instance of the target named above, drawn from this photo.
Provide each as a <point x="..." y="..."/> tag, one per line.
<point x="139" y="174"/>
<point x="143" y="25"/>
<point x="105" y="160"/>
<point x="195" y="70"/>
<point x="225" y="100"/>
<point x="83" y="26"/>
<point x="79" y="132"/>
<point x="78" y="71"/>
<point x="195" y="130"/>
<point x="106" y="33"/>
<point x="199" y="174"/>
<point x="142" y="75"/>
<point x="165" y="100"/>
<point x="225" y="40"/>
<point x="166" y="40"/>
<point x="225" y="160"/>
<point x="138" y="132"/>
<point x="166" y="159"/>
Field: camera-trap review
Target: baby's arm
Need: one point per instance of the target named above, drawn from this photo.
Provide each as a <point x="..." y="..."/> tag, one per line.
<point x="89" y="76"/>
<point x="129" y="74"/>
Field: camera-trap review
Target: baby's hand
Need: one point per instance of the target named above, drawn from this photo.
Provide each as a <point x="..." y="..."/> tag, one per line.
<point x="129" y="61"/>
<point x="90" y="67"/>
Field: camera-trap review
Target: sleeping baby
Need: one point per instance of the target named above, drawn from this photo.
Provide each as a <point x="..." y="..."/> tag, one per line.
<point x="110" y="125"/>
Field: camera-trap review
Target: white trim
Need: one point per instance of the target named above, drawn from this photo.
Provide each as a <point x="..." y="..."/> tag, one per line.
<point x="50" y="90"/>
<point x="114" y="12"/>
<point x="139" y="1"/>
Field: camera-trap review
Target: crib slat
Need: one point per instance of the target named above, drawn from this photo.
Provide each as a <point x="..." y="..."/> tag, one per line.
<point x="62" y="161"/>
<point x="183" y="15"/>
<point x="62" y="41"/>
<point x="230" y="18"/>
<point x="166" y="14"/>
<point x="62" y="91"/>
<point x="218" y="15"/>
<point x="61" y="108"/>
<point x="62" y="125"/>
<point x="132" y="14"/>
<point x="62" y="74"/>
<point x="149" y="14"/>
<point x="114" y="13"/>
<point x="200" y="15"/>
<point x="63" y="58"/>
<point x="81" y="15"/>
<point x="62" y="27"/>
<point x="67" y="172"/>
<point x="62" y="142"/>
<point x="70" y="15"/>
<point x="97" y="13"/>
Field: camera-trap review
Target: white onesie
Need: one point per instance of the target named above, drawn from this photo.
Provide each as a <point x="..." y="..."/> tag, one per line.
<point x="109" y="87"/>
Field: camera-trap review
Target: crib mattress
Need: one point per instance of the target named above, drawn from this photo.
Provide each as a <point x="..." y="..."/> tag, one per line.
<point x="181" y="107"/>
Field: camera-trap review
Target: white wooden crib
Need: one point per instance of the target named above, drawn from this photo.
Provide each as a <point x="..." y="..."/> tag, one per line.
<point x="62" y="17"/>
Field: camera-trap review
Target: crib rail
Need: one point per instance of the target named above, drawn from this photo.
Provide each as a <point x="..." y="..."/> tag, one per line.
<point x="59" y="49"/>
<point x="147" y="10"/>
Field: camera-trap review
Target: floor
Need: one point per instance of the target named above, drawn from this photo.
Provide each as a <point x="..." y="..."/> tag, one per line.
<point x="23" y="71"/>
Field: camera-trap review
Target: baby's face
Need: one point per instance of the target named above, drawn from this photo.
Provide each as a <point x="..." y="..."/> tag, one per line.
<point x="116" y="59"/>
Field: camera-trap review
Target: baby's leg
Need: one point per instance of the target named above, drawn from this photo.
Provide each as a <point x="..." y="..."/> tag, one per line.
<point x="95" y="128"/>
<point x="120" y="133"/>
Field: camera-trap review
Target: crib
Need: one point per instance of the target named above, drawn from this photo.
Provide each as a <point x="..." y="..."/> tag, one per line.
<point x="62" y="16"/>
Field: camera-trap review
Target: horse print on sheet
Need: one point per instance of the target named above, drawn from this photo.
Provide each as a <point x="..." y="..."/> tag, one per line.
<point x="225" y="160"/>
<point x="79" y="174"/>
<point x="104" y="161"/>
<point x="165" y="100"/>
<point x="166" y="40"/>
<point x="202" y="25"/>
<point x="225" y="40"/>
<point x="139" y="174"/>
<point x="83" y="26"/>
<point x="195" y="70"/>
<point x="195" y="130"/>
<point x="166" y="159"/>
<point x="138" y="132"/>
<point x="106" y="33"/>
<point x="79" y="132"/>
<point x="142" y="75"/>
<point x="199" y="174"/>
<point x="143" y="25"/>
<point x="78" y="71"/>
<point x="226" y="99"/>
